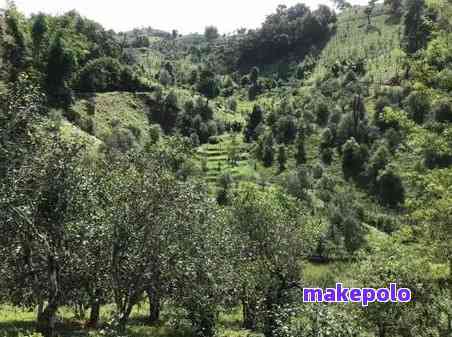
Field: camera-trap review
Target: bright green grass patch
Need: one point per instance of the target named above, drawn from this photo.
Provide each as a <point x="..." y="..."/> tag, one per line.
<point x="120" y="110"/>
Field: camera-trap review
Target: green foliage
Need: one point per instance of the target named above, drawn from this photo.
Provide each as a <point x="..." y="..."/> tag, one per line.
<point x="268" y="150"/>
<point x="254" y="121"/>
<point x="282" y="158"/>
<point x="60" y="68"/>
<point x="266" y="225"/>
<point x="208" y="85"/>
<point x="211" y="33"/>
<point x="106" y="74"/>
<point x="442" y="110"/>
<point x="22" y="108"/>
<point x="354" y="157"/>
<point x="416" y="30"/>
<point x="300" y="150"/>
<point x="281" y="35"/>
<point x="418" y="106"/>
<point x="390" y="188"/>
<point x="14" y="48"/>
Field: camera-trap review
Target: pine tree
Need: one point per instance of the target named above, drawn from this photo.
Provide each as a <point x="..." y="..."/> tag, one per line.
<point x="255" y="119"/>
<point x="416" y="31"/>
<point x="282" y="158"/>
<point x="300" y="151"/>
<point x="268" y="151"/>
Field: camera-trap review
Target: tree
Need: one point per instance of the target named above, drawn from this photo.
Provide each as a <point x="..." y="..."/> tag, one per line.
<point x="353" y="159"/>
<point x="300" y="149"/>
<point x="223" y="194"/>
<point x="395" y="8"/>
<point x="14" y="50"/>
<point x="165" y="78"/>
<point x="211" y="33"/>
<point x="442" y="110"/>
<point x="285" y="129"/>
<point x="282" y="158"/>
<point x="254" y="75"/>
<point x="390" y="188"/>
<point x="106" y="74"/>
<point x="416" y="30"/>
<point x="265" y="223"/>
<point x="39" y="33"/>
<point x="378" y="162"/>
<point x="418" y="106"/>
<point x="60" y="67"/>
<point x="22" y="109"/>
<point x="391" y="260"/>
<point x="39" y="216"/>
<point x="353" y="234"/>
<point x="341" y="4"/>
<point x="146" y="210"/>
<point x="208" y="85"/>
<point x="254" y="120"/>
<point x="369" y="9"/>
<point x="268" y="150"/>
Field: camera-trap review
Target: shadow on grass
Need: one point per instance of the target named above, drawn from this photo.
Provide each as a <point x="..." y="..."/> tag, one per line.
<point x="20" y="328"/>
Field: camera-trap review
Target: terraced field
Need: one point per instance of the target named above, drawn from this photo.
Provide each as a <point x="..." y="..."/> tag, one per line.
<point x="218" y="160"/>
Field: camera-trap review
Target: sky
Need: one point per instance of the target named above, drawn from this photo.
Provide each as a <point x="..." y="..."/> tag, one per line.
<point x="187" y="16"/>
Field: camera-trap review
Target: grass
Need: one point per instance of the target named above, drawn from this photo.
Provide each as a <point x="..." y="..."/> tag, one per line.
<point x="16" y="322"/>
<point x="378" y="46"/>
<point x="120" y="110"/>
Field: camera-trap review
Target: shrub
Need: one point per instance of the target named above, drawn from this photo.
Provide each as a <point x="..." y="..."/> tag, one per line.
<point x="194" y="139"/>
<point x="442" y="110"/>
<point x="106" y="74"/>
<point x="444" y="79"/>
<point x="417" y="105"/>
<point x="390" y="188"/>
<point x="326" y="155"/>
<point x="354" y="157"/>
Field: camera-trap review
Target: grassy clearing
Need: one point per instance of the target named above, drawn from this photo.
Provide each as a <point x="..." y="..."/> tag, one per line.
<point x="119" y="110"/>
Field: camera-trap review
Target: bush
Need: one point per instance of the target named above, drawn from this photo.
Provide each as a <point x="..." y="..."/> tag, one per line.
<point x="106" y="74"/>
<point x="232" y="104"/>
<point x="354" y="157"/>
<point x="390" y="188"/>
<point x="326" y="155"/>
<point x="417" y="104"/>
<point x="444" y="79"/>
<point x="194" y="139"/>
<point x="154" y="133"/>
<point x="442" y="110"/>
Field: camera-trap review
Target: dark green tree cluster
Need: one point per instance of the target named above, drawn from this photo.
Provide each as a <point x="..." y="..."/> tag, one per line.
<point x="290" y="31"/>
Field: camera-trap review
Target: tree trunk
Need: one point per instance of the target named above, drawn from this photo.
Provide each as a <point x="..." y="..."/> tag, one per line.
<point x="40" y="307"/>
<point x="249" y="314"/>
<point x="123" y="319"/>
<point x="381" y="330"/>
<point x="95" y="310"/>
<point x="155" y="305"/>
<point x="47" y="319"/>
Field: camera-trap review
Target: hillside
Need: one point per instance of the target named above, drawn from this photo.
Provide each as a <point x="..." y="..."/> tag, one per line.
<point x="159" y="184"/>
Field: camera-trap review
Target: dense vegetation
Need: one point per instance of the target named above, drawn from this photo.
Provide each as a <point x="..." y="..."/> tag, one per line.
<point x="207" y="179"/>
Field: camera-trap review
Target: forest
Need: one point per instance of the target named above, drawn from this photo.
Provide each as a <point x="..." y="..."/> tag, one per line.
<point x="160" y="184"/>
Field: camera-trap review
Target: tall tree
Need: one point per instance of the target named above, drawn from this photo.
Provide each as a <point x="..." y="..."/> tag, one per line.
<point x="416" y="29"/>
<point x="254" y="121"/>
<point x="39" y="32"/>
<point x="38" y="214"/>
<point x="211" y="33"/>
<point x="266" y="225"/>
<point x="15" y="53"/>
<point x="60" y="67"/>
